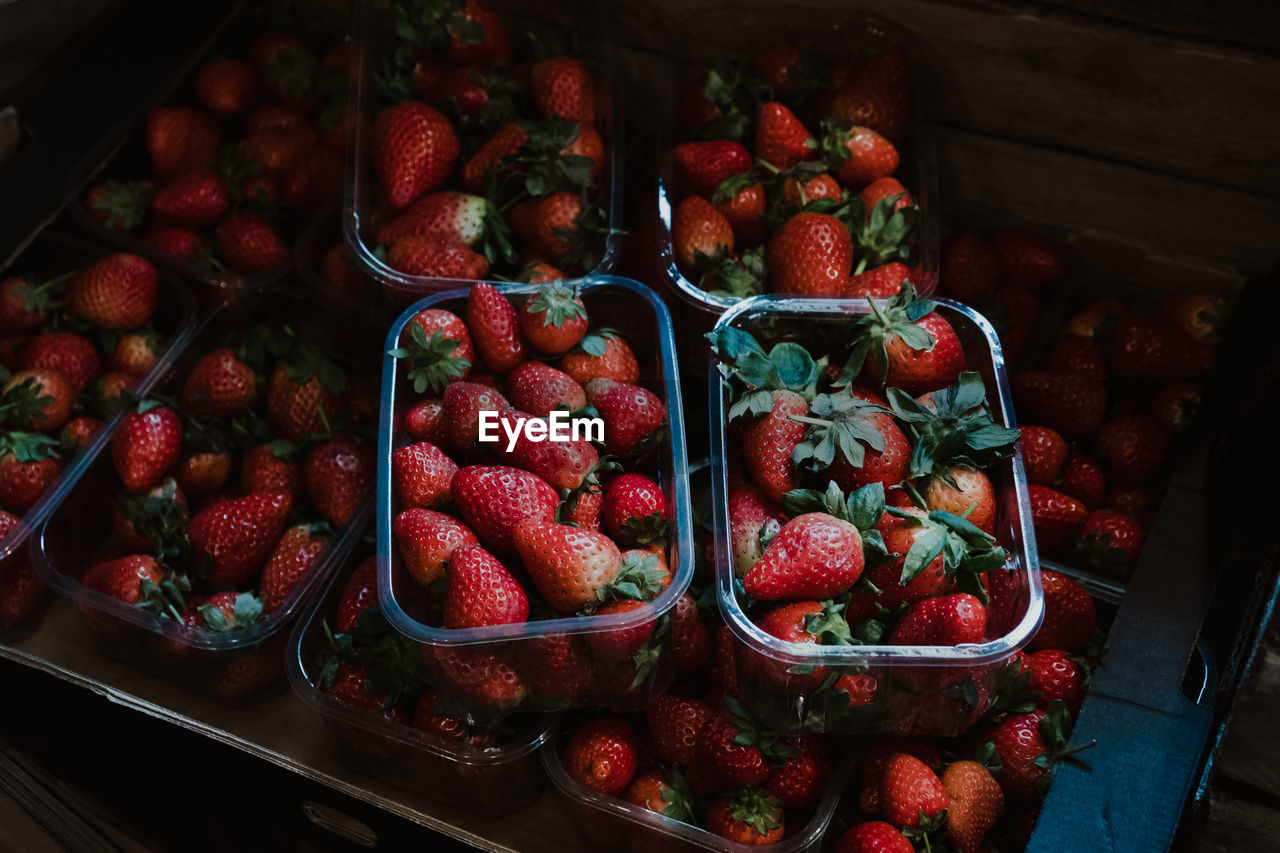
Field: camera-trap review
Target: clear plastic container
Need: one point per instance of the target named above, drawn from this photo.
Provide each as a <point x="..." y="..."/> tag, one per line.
<point x="922" y="689"/>
<point x="373" y="37"/>
<point x="843" y="37"/>
<point x="609" y="823"/>
<point x="175" y="319"/>
<point x="235" y="667"/>
<point x="639" y="316"/>
<point x="123" y="156"/>
<point x="486" y="781"/>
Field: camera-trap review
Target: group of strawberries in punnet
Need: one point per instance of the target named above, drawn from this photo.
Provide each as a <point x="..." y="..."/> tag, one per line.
<point x="871" y="485"/>
<point x="786" y="177"/>
<point x="261" y="146"/>
<point x="73" y="345"/>
<point x="487" y="156"/>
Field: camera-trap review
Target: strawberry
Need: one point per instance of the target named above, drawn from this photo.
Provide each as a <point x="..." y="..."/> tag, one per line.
<point x="495" y="329"/>
<point x="782" y="67"/>
<point x="1044" y="453"/>
<point x="1055" y="676"/>
<point x="741" y="200"/>
<point x="135" y="353"/>
<point x="292" y="557"/>
<point x="1083" y="480"/>
<point x="262" y="470"/>
<point x="974" y="804"/>
<point x="463" y="403"/>
<point x="635" y="510"/>
<point x="703" y="166"/>
<point x="120" y="205"/>
<point x="1110" y="541"/>
<point x="872" y="763"/>
<point x="351" y="685"/>
<point x="556" y="665"/>
<point x="801" y="779"/>
<point x="876" y="95"/>
<point x="272" y="151"/>
<point x="782" y="140"/>
<point x="970" y="267"/>
<point x="1027" y="259"/>
<point x="425" y="420"/>
<point x="414" y="150"/>
<point x="871" y="447"/>
<point x="1201" y="315"/>
<point x="750" y="817"/>
<point x="75" y="357"/>
<point x="769" y="444"/>
<point x="583" y="509"/>
<point x="562" y="86"/>
<point x="753" y="517"/>
<point x="434" y="257"/>
<point x="882" y="282"/>
<point x="1057" y="517"/>
<point x="1069" y="615"/>
<point x="221" y="385"/>
<point x="145" y="445"/>
<point x="78" y="432"/>
<point x="874" y="836"/>
<point x="602" y="354"/>
<point x="1090" y="321"/>
<point x="675" y="722"/>
<point x="203" y="473"/>
<point x="910" y="793"/>
<point x="439" y="350"/>
<point x="29" y="464"/>
<point x="540" y="389"/>
<point x="116" y="292"/>
<point x="690" y="637"/>
<point x="1133" y="447"/>
<point x="884" y="188"/>
<point x="814" y="555"/>
<point x="340" y="272"/>
<point x="1078" y="354"/>
<point x="1029" y="747"/>
<point x="732" y="750"/>
<point x="312" y="178"/>
<point x="553" y="320"/>
<point x="601" y="755"/>
<point x="25" y="302"/>
<point x="177" y="240"/>
<point x="564" y="465"/>
<point x="505" y="143"/>
<point x="272" y="117"/>
<point x="302" y="396"/>
<point x="906" y="344"/>
<point x="802" y="187"/>
<point x="480" y="675"/>
<point x="336" y="474"/>
<point x="701" y="236"/>
<point x="425" y="539"/>
<point x="558" y="227"/>
<point x="197" y="199"/>
<point x="858" y="155"/>
<point x="1176" y="403"/>
<point x="633" y="416"/>
<point x="476" y="37"/>
<point x="21" y="591"/>
<point x="359" y="593"/>
<point x="449" y="216"/>
<point x="569" y="566"/>
<point x="249" y="243"/>
<point x="651" y="790"/>
<point x="1071" y="403"/>
<point x="39" y="400"/>
<point x="144" y="522"/>
<point x="972" y="496"/>
<point x="949" y="620"/>
<point x="179" y="138"/>
<point x="481" y="591"/>
<point x="496" y="501"/>
<point x="236" y="536"/>
<point x="125" y="578"/>
<point x="621" y="644"/>
<point x="1147" y="345"/>
<point x="226" y="87"/>
<point x="811" y="255"/>
<point x="421" y="474"/>
<point x="901" y="579"/>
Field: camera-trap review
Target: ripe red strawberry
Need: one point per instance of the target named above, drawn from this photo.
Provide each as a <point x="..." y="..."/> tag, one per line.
<point x="974" y="804"/>
<point x="481" y="591"/>
<point x="504" y="143"/>
<point x="621" y="644"/>
<point x="146" y="444"/>
<point x="690" y="637"/>
<point x="801" y="779"/>
<point x="910" y="792"/>
<point x="916" y="355"/>
<point x="769" y="444"/>
<point x="177" y="240"/>
<point x="1053" y="675"/>
<point x="312" y="178"/>
<point x="564" y="465"/>
<point x="337" y="473"/>
<point x="876" y="96"/>
<point x="900" y="535"/>
<point x="359" y="593"/>
<point x="237" y="535"/>
<point x="1079" y="354"/>
<point x="651" y="790"/>
<point x="261" y="470"/>
<point x="601" y="755"/>
<point x="292" y="557"/>
<point x="1133" y="447"/>
<point x="1044" y="453"/>
<point x="802" y="188"/>
<point x="742" y="201"/>
<point x="463" y="403"/>
<point x="414" y="150"/>
<point x="553" y="226"/>
<point x="28" y="466"/>
<point x="540" y="389"/>
<point x="272" y="151"/>
<point x="1057" y="517"/>
<point x="135" y="353"/>
<point x="25" y="302"/>
<point x="1083" y="480"/>
<point x="446" y="215"/>
<point x="782" y="140"/>
<point x="339" y="271"/>
<point x="425" y="539"/>
<point x="203" y="473"/>
<point x="303" y="396"/>
<point x="178" y="139"/>
<point x="635" y="510"/>
<point x="583" y="508"/>
<point x="602" y="354"/>
<point x="750" y="817"/>
<point x="421" y="474"/>
<point x="39" y="400"/>
<point x="476" y="37"/>
<point x="858" y="155"/>
<point x="425" y="420"/>
<point x="703" y="166"/>
<point x="882" y="282"/>
<point x="811" y="254"/>
<point x="675" y="722"/>
<point x="78" y="431"/>
<point x="75" y="357"/>
<point x="1027" y="259"/>
<point x="874" y="836"/>
<point x="556" y="665"/>
<point x="1201" y="315"/>
<point x="439" y="349"/>
<point x="970" y="267"/>
<point x="633" y="416"/>
<point x="434" y="257"/>
<point x="814" y="555"/>
<point x="948" y="620"/>
<point x="226" y="87"/>
<point x="874" y="760"/>
<point x="221" y="385"/>
<point x="881" y="188"/>
<point x="197" y="199"/>
<point x="350" y="686"/>
<point x="479" y="675"/>
<point x="553" y="320"/>
<point x="495" y="329"/>
<point x="122" y="578"/>
<point x="731" y="750"/>
<point x="858" y="461"/>
<point x="701" y="236"/>
<point x="1147" y="345"/>
<point x="248" y="242"/>
<point x="567" y="565"/>
<point x="1069" y="615"/>
<point x="495" y="501"/>
<point x="562" y="86"/>
<point x="119" y="291"/>
<point x="751" y="517"/>
<point x="1071" y="403"/>
<point x="1029" y="746"/>
<point x="1110" y="540"/>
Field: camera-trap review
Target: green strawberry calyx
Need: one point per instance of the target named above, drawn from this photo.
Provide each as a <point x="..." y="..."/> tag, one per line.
<point x="956" y="429"/>
<point x="838" y="422"/>
<point x="754" y="375"/>
<point x="897" y="316"/>
<point x="432" y="362"/>
<point x="557" y="302"/>
<point x="247" y="610"/>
